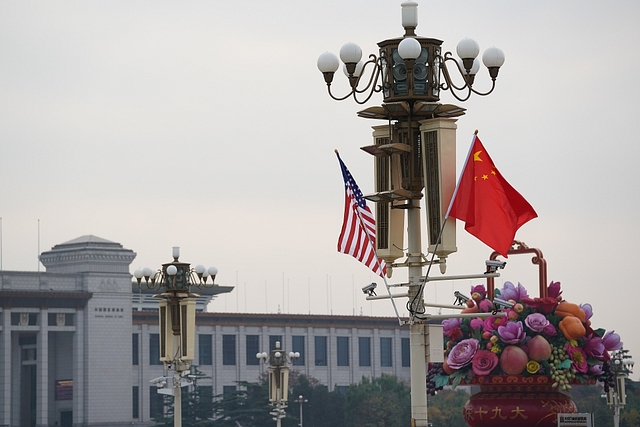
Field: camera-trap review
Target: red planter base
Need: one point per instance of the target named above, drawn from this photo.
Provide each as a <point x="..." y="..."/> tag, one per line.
<point x="522" y="405"/>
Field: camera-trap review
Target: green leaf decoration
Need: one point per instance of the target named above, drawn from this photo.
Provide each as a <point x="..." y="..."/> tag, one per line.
<point x="566" y="364"/>
<point x="441" y="380"/>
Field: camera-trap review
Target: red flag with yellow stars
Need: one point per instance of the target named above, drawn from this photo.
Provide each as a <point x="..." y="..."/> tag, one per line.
<point x="490" y="207"/>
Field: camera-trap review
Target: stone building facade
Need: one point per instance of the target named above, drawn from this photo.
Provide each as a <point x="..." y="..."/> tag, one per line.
<point x="78" y="343"/>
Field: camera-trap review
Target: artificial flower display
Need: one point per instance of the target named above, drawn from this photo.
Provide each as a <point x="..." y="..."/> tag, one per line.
<point x="536" y="336"/>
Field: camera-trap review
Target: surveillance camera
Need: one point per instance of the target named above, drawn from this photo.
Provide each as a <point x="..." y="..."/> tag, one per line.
<point x="494" y="265"/>
<point x="369" y="289"/>
<point x="460" y="298"/>
<point x="169" y="366"/>
<point x="159" y="382"/>
<point x="500" y="304"/>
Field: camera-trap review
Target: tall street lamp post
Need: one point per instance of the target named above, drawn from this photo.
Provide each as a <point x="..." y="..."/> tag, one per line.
<point x="278" y="367"/>
<point x="177" y="321"/>
<point x="621" y="366"/>
<point x="414" y="151"/>
<point x="301" y="400"/>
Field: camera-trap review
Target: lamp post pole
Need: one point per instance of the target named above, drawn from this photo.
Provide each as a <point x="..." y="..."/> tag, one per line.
<point x="414" y="154"/>
<point x="278" y="367"/>
<point x="301" y="400"/>
<point x="621" y="366"/>
<point x="177" y="321"/>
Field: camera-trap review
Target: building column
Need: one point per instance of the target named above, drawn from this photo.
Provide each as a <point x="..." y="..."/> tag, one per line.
<point x="42" y="370"/>
<point x="5" y="369"/>
<point x="78" y="368"/>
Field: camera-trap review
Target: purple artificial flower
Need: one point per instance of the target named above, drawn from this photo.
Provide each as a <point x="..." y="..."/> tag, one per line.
<point x="448" y="325"/>
<point x="588" y="311"/>
<point x="510" y="292"/>
<point x="611" y="341"/>
<point x="536" y="322"/>
<point x="596" y="369"/>
<point x="594" y="347"/>
<point x="476" y="323"/>
<point x="553" y="290"/>
<point x="550" y="330"/>
<point x="480" y="289"/>
<point x="512" y="332"/>
<point x="462" y="353"/>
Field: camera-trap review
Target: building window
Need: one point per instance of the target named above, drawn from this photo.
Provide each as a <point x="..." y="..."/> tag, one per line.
<point x="135" y="349"/>
<point x="205" y="400"/>
<point x="343" y="351"/>
<point x="154" y="349"/>
<point x="228" y="389"/>
<point x="342" y="389"/>
<point x="385" y="352"/>
<point x="406" y="357"/>
<point x="297" y="345"/>
<point x="364" y="351"/>
<point x="205" y="353"/>
<point x="228" y="349"/>
<point x="156" y="403"/>
<point x="321" y="351"/>
<point x="272" y="342"/>
<point x="253" y="348"/>
<point x="135" y="402"/>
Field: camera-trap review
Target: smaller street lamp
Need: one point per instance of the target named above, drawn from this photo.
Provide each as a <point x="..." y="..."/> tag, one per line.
<point x="301" y="400"/>
<point x="278" y="369"/>
<point x="620" y="366"/>
<point x="177" y="321"/>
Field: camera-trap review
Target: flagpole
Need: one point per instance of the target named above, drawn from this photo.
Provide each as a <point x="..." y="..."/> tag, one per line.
<point x="464" y="166"/>
<point x="380" y="267"/>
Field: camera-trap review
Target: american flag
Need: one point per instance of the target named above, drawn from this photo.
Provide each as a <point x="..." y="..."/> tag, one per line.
<point x="358" y="235"/>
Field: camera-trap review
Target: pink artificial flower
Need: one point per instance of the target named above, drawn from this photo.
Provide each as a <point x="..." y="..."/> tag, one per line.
<point x="578" y="358"/>
<point x="484" y="361"/>
<point x="491" y="323"/>
<point x="512" y="333"/>
<point x="476" y="323"/>
<point x="480" y="289"/>
<point x="485" y="306"/>
<point x="553" y="290"/>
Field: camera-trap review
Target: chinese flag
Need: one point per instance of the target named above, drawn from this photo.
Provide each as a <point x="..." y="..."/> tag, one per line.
<point x="490" y="207"/>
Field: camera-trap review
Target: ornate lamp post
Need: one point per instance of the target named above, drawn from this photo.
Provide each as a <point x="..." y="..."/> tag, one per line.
<point x="414" y="152"/>
<point x="278" y="369"/>
<point x="177" y="320"/>
<point x="301" y="400"/>
<point x="621" y="366"/>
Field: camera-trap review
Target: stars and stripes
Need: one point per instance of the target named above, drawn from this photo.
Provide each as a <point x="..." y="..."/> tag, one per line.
<point x="358" y="234"/>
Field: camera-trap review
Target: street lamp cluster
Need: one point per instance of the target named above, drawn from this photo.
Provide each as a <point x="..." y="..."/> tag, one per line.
<point x="414" y="154"/>
<point x="177" y="320"/>
<point x="411" y="67"/>
<point x="620" y="366"/>
<point x="278" y="362"/>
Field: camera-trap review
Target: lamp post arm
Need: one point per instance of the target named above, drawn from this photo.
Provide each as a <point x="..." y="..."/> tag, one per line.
<point x="371" y="87"/>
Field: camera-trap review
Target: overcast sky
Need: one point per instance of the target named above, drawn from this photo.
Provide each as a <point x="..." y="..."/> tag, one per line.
<point x="206" y="125"/>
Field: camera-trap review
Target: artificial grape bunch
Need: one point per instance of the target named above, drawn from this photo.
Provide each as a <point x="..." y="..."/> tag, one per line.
<point x="561" y="376"/>
<point x="434" y="369"/>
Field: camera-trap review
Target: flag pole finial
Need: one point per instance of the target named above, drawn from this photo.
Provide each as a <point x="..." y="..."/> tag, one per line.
<point x="335" y="150"/>
<point x="476" y="132"/>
